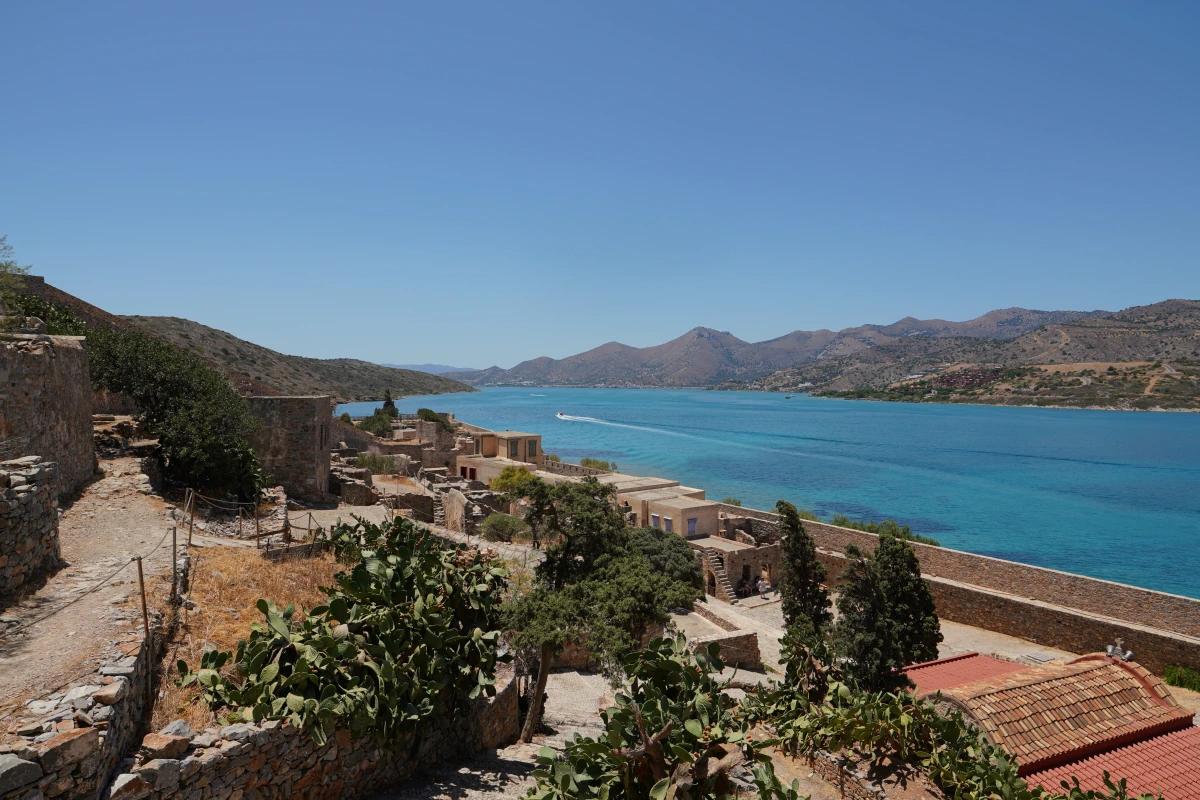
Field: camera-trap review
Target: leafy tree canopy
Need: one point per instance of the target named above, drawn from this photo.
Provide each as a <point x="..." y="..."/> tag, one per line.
<point x="888" y="526"/>
<point x="511" y="479"/>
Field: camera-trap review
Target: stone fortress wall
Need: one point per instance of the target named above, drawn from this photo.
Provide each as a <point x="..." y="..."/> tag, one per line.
<point x="28" y="522"/>
<point x="1056" y="609"/>
<point x="46" y="405"/>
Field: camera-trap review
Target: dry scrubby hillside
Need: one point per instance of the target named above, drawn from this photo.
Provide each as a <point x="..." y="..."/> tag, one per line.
<point x="1163" y="331"/>
<point x="254" y="368"/>
<point x="703" y="356"/>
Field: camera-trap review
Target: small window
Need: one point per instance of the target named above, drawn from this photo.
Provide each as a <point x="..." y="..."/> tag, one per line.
<point x="667" y="524"/>
<point x="514" y="449"/>
<point x="654" y="520"/>
<point x="478" y="446"/>
<point x="532" y="448"/>
<point x="691" y="526"/>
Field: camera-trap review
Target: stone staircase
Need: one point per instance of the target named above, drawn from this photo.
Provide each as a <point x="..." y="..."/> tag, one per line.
<point x="716" y="562"/>
<point x="439" y="511"/>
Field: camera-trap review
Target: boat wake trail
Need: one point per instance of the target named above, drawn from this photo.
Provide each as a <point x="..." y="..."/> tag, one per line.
<point x="595" y="421"/>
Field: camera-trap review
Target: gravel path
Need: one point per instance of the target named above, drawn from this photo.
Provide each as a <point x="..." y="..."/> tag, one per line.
<point x="113" y="519"/>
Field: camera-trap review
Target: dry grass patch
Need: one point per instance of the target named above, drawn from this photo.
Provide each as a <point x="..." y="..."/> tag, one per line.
<point x="226" y="582"/>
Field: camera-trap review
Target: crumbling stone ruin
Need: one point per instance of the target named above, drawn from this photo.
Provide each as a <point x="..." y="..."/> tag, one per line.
<point x="46" y="405"/>
<point x="293" y="443"/>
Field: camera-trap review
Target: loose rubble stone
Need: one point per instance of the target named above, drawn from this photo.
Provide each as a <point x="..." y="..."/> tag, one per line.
<point x="157" y="745"/>
<point x="15" y="773"/>
<point x="129" y="787"/>
<point x="113" y="693"/>
<point x="68" y="747"/>
<point x="161" y="773"/>
<point x="177" y="728"/>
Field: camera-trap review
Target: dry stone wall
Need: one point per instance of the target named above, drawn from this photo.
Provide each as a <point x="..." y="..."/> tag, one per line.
<point x="274" y="760"/>
<point x="73" y="740"/>
<point x="46" y="405"/>
<point x="28" y="522"/>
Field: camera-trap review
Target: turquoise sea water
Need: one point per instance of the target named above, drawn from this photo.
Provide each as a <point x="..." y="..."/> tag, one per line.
<point x="1110" y="494"/>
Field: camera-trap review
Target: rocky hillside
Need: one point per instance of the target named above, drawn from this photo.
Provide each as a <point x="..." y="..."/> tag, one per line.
<point x="704" y="357"/>
<point x="1162" y="331"/>
<point x="251" y="366"/>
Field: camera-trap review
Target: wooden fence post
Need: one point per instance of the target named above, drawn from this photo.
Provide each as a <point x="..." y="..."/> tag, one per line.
<point x="149" y="638"/>
<point x="174" y="568"/>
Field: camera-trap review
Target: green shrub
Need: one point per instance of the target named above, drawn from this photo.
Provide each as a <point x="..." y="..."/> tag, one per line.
<point x="502" y="527"/>
<point x="732" y="501"/>
<point x="379" y="465"/>
<point x="409" y="635"/>
<point x="429" y="415"/>
<point x="379" y="424"/>
<point x="202" y="423"/>
<point x="596" y="463"/>
<point x="671" y="555"/>
<point x="60" y="320"/>
<point x="510" y="480"/>
<point x="554" y="458"/>
<point x="345" y="417"/>
<point x="1186" y="677"/>
<point x="887" y="526"/>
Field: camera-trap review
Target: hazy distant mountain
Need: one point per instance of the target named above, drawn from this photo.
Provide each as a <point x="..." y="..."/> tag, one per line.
<point x="705" y="357"/>
<point x="1166" y="330"/>
<point x="432" y="369"/>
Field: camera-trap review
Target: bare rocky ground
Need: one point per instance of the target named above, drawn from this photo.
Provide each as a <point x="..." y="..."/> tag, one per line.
<point x="60" y="632"/>
<point x="573" y="706"/>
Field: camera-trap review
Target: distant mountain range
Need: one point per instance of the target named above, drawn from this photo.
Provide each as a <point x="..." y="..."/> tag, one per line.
<point x="706" y="357"/>
<point x="1164" y="331"/>
<point x="432" y="369"/>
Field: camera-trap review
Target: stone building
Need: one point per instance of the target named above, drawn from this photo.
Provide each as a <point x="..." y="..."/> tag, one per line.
<point x="46" y="405"/>
<point x="293" y="443"/>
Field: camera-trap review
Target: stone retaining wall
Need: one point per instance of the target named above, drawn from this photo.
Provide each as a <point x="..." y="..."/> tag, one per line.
<point x="738" y="649"/>
<point x="275" y="760"/>
<point x="46" y="405"/>
<point x="73" y="740"/>
<point x="28" y="522"/>
<point x="1167" y="612"/>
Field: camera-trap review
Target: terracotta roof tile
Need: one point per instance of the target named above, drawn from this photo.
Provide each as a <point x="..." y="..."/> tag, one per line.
<point x="1047" y="715"/>
<point x="1169" y="763"/>
<point x="946" y="673"/>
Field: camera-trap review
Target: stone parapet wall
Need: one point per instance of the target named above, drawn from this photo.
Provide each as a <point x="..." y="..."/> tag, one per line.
<point x="28" y="522"/>
<point x="563" y="468"/>
<point x="1167" y="612"/>
<point x="46" y="405"/>
<point x="274" y="760"/>
<point x="1048" y="624"/>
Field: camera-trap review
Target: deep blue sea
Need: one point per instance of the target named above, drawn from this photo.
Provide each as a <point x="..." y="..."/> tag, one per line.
<point x="1110" y="494"/>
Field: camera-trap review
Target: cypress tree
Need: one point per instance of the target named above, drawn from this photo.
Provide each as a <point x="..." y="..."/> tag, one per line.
<point x="805" y="601"/>
<point x="887" y="619"/>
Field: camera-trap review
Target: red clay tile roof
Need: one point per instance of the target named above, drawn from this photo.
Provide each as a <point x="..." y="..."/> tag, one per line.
<point x="1169" y="764"/>
<point x="946" y="673"/>
<point x="1044" y="716"/>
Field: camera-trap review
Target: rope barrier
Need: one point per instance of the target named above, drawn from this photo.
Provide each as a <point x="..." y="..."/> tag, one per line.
<point x="29" y="624"/>
<point x="228" y="505"/>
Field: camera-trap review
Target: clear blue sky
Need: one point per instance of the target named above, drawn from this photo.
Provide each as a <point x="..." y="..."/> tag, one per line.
<point x="479" y="183"/>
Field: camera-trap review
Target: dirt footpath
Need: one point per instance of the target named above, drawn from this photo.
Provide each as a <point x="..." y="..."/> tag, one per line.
<point x="114" y="519"/>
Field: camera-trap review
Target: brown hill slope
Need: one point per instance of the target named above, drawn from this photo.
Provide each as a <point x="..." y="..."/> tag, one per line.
<point x="1167" y="330"/>
<point x="704" y="357"/>
<point x="346" y="379"/>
